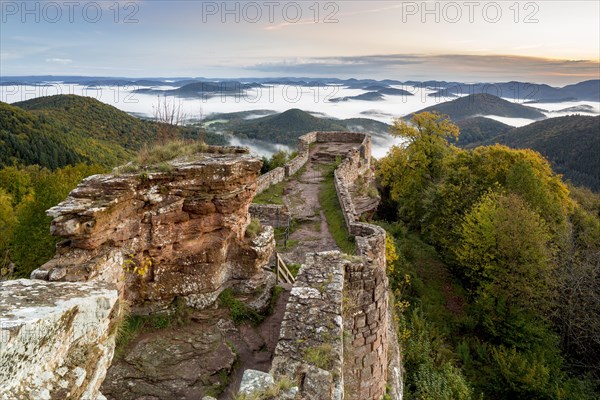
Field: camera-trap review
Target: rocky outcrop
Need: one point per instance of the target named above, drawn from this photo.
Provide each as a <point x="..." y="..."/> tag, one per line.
<point x="56" y="339"/>
<point x="178" y="231"/>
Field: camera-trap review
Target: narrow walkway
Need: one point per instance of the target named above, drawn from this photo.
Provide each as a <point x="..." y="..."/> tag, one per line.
<point x="310" y="233"/>
<point x="255" y="346"/>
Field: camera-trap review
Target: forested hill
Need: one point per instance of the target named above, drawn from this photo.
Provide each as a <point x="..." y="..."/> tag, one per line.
<point x="286" y="127"/>
<point x="483" y="104"/>
<point x="571" y="143"/>
<point x="62" y="130"/>
<point x="91" y="118"/>
<point x="282" y="128"/>
<point x="49" y="141"/>
<point x="478" y="129"/>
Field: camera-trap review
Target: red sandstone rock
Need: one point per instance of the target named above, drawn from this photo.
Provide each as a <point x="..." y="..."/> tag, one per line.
<point x="161" y="235"/>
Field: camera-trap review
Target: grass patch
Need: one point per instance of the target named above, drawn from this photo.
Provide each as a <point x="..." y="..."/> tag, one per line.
<point x="273" y="392"/>
<point x="294" y="269"/>
<point x="291" y="243"/>
<point x="334" y="215"/>
<point x="300" y="171"/>
<point x="133" y="325"/>
<point x="158" y="156"/>
<point x="238" y="311"/>
<point x="320" y="356"/>
<point x="254" y="228"/>
<point x="272" y="195"/>
<point x="277" y="290"/>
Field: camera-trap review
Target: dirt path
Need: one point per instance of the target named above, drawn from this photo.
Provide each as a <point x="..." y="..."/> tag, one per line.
<point x="310" y="232"/>
<point x="255" y="346"/>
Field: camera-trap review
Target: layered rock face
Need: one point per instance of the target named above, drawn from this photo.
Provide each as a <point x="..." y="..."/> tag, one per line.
<point x="177" y="232"/>
<point x="56" y="339"/>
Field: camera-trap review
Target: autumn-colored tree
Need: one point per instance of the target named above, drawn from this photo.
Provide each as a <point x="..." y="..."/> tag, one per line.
<point x="504" y="251"/>
<point x="7" y="223"/>
<point x="408" y="172"/>
<point x="31" y="243"/>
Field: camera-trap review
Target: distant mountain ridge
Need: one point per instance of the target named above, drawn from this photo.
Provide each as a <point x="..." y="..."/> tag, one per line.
<point x="519" y="91"/>
<point x="30" y="138"/>
<point x="288" y="126"/>
<point x="514" y="90"/>
<point x="478" y="129"/>
<point x="483" y="105"/>
<point x="92" y="118"/>
<point x="571" y="143"/>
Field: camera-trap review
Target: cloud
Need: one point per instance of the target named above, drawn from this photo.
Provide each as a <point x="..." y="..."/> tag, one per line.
<point x="464" y="67"/>
<point x="61" y="61"/>
<point x="340" y="65"/>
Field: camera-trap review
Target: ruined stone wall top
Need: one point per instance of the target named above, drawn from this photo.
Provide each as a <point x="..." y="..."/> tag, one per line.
<point x="56" y="339"/>
<point x="310" y="347"/>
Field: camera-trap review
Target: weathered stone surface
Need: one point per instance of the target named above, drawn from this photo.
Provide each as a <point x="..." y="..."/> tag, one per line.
<point x="161" y="235"/>
<point x="395" y="371"/>
<point x="176" y="364"/>
<point x="56" y="339"/>
<point x="365" y="314"/>
<point x="313" y="323"/>
<point x="274" y="215"/>
<point x="255" y="381"/>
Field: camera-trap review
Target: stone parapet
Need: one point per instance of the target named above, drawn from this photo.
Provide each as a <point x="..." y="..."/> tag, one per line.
<point x="56" y="339"/>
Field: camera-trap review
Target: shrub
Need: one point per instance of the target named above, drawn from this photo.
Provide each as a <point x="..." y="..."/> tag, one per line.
<point x="238" y="310"/>
<point x="254" y="228"/>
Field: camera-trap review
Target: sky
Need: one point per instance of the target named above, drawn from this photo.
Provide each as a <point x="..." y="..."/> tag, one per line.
<point x="554" y="42"/>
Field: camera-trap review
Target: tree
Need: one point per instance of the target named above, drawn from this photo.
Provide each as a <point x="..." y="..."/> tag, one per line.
<point x="169" y="115"/>
<point x="409" y="172"/>
<point x="31" y="244"/>
<point x="504" y="251"/>
<point x="7" y="223"/>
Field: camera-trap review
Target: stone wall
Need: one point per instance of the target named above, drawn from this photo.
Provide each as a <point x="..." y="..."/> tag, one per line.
<point x="369" y="362"/>
<point x="278" y="175"/>
<point x="56" y="339"/>
<point x="179" y="232"/>
<point x="310" y="347"/>
<point x="270" y="178"/>
<point x="271" y="214"/>
<point x="366" y="362"/>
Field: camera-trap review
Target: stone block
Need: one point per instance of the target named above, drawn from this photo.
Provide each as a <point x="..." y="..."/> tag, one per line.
<point x="56" y="339"/>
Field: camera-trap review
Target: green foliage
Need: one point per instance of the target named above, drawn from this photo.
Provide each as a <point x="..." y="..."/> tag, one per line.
<point x="320" y="356"/>
<point x="294" y="269"/>
<point x="333" y="213"/>
<point x="504" y="251"/>
<point x="62" y="130"/>
<point x="409" y="172"/>
<point x="525" y="252"/>
<point x="277" y="160"/>
<point x="238" y="310"/>
<point x="254" y="228"/>
<point x="54" y="140"/>
<point x="30" y="244"/>
<point x="133" y="325"/>
<point x="272" y="195"/>
<point x="571" y="143"/>
<point x="429" y="363"/>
